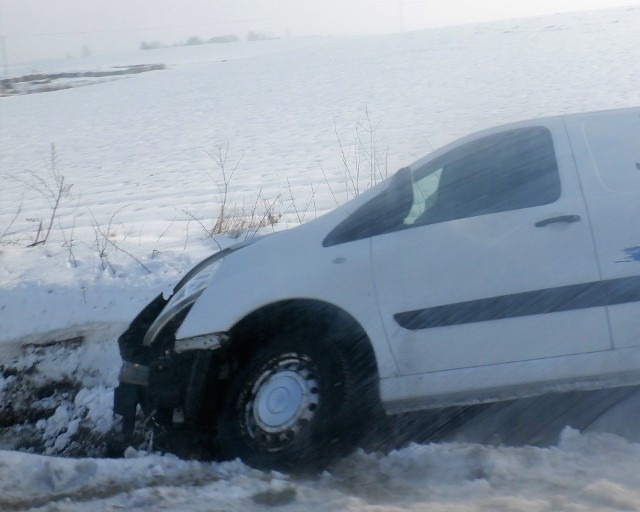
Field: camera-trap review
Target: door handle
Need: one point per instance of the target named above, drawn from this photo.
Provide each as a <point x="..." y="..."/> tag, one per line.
<point x="553" y="220"/>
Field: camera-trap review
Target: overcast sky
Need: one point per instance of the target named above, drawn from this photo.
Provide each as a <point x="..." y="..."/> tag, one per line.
<point x="50" y="29"/>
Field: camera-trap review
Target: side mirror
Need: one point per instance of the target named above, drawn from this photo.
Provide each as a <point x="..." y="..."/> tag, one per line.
<point x="398" y="199"/>
<point x="381" y="214"/>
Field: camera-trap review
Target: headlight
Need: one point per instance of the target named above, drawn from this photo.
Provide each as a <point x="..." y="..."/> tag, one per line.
<point x="194" y="287"/>
<point x="191" y="287"/>
<point x="186" y="294"/>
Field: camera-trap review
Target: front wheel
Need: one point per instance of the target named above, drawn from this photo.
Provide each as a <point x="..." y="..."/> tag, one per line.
<point x="292" y="405"/>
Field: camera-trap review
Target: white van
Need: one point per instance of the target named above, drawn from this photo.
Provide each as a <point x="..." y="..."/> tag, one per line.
<point x="504" y="265"/>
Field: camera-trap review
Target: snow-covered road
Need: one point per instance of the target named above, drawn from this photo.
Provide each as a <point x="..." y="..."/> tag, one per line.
<point x="582" y="473"/>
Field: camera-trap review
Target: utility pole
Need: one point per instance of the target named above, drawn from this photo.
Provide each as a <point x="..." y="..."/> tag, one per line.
<point x="5" y="58"/>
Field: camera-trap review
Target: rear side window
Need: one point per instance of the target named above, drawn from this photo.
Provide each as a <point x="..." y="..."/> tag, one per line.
<point x="506" y="171"/>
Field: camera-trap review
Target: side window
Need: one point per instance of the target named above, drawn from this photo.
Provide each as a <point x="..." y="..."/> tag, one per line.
<point x="501" y="172"/>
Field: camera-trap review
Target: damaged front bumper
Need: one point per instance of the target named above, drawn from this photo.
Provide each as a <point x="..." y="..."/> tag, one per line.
<point x="160" y="372"/>
<point x="138" y="374"/>
<point x="166" y="378"/>
<point x="134" y="373"/>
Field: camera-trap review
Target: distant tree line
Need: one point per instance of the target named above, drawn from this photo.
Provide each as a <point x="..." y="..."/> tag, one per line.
<point x="194" y="40"/>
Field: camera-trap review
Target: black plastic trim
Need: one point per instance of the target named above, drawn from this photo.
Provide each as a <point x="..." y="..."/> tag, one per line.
<point x="537" y="302"/>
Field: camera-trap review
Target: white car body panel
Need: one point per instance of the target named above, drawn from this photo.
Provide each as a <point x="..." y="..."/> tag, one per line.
<point x="607" y="151"/>
<point x="521" y="379"/>
<point x="298" y="268"/>
<point x="503" y="254"/>
<point x="489" y="256"/>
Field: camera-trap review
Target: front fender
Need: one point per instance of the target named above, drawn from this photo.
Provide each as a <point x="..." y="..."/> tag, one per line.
<point x="286" y="267"/>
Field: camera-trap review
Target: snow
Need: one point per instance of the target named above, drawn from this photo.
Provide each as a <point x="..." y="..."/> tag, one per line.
<point x="140" y="155"/>
<point x="577" y="474"/>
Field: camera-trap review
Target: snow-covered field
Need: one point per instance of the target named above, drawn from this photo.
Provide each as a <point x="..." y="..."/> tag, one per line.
<point x="141" y="155"/>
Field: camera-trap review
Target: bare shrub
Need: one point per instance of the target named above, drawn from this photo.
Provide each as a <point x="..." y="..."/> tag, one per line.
<point x="105" y="243"/>
<point x="301" y="213"/>
<point x="234" y="218"/>
<point x="4" y="237"/>
<point x="54" y="188"/>
<point x="220" y="159"/>
<point x="67" y="243"/>
<point x="363" y="164"/>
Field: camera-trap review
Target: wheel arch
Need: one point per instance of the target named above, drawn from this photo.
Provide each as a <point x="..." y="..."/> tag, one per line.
<point x="294" y="315"/>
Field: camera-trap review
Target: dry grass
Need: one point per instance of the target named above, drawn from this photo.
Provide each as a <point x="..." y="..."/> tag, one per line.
<point x="363" y="165"/>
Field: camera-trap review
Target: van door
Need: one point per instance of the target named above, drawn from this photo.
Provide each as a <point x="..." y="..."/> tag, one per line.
<point x="490" y="264"/>
<point x="607" y="149"/>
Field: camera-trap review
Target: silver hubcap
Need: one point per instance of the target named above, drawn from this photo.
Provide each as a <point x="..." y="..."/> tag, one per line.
<point x="282" y="401"/>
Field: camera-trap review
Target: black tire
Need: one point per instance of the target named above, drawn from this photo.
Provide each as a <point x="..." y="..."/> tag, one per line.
<point x="292" y="405"/>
